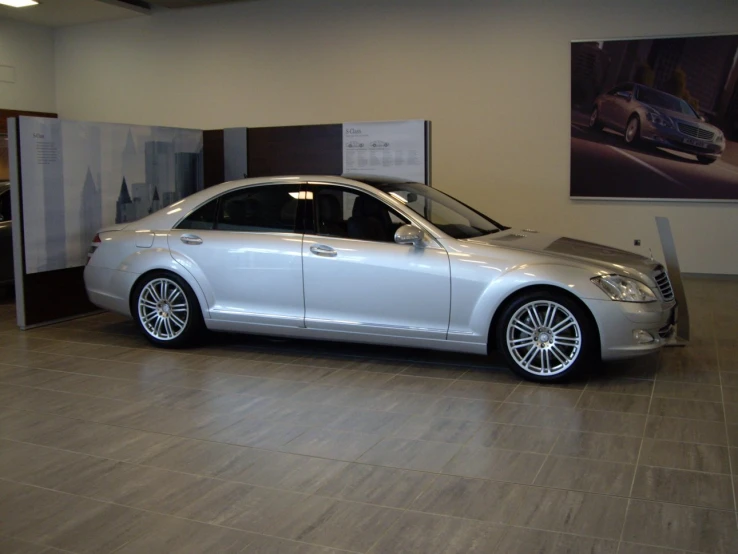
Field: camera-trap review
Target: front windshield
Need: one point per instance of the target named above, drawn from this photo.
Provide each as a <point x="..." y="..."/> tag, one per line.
<point x="663" y="100"/>
<point x="448" y="214"/>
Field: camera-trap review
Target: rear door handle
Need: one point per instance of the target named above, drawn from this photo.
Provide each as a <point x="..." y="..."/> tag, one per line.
<point x="190" y="239"/>
<point x="323" y="250"/>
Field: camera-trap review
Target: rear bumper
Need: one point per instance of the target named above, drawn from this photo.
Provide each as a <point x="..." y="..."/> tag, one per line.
<point x="626" y="326"/>
<point x="109" y="289"/>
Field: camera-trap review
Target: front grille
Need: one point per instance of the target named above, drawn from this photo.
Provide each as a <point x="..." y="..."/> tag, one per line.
<point x="662" y="281"/>
<point x="696" y="132"/>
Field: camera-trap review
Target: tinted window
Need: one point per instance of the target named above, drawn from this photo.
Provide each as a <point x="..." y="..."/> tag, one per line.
<point x="448" y="214"/>
<point x="662" y="100"/>
<point x="348" y="213"/>
<point x="201" y="218"/>
<point x="5" y="205"/>
<point x="265" y="208"/>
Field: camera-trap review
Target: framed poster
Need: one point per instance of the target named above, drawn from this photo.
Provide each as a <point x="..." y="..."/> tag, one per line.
<point x="655" y="119"/>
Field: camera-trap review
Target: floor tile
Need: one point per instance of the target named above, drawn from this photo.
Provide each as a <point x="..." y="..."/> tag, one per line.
<point x="691" y="409"/>
<point x="692" y="488"/>
<point x="437" y="429"/>
<point x="366" y="421"/>
<point x="354" y="378"/>
<point x="686" y="430"/>
<point x="683" y="455"/>
<point x="694" y="391"/>
<point x="620" y="385"/>
<point x="332" y="443"/>
<point x="545" y="396"/>
<point x="534" y="416"/>
<point x="395" y="488"/>
<point x="681" y="527"/>
<point x="410" y="454"/>
<point x="261" y="544"/>
<point x="569" y="511"/>
<point x="334" y="523"/>
<point x="461" y="408"/>
<point x="613" y="423"/>
<point x="628" y="403"/>
<point x="522" y="540"/>
<point x="480" y="391"/>
<point x="689" y="375"/>
<point x="586" y="475"/>
<point x="417" y="533"/>
<point x="631" y="548"/>
<point x="470" y="498"/>
<point x="598" y="446"/>
<point x="495" y="463"/>
<point x="515" y="437"/>
<point x="259" y="433"/>
<point x="420" y="385"/>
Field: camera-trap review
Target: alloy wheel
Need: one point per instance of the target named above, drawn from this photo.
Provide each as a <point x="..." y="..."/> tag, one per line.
<point x="163" y="309"/>
<point x="544" y="338"/>
<point x="631" y="132"/>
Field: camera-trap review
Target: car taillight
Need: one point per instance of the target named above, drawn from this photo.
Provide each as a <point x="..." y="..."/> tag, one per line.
<point x="92" y="248"/>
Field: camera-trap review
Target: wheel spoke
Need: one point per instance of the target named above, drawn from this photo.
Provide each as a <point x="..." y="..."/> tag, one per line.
<point x="179" y="307"/>
<point x="151" y="290"/>
<point x="546" y="361"/>
<point x="528" y="358"/>
<point x="550" y="316"/>
<point x="149" y="316"/>
<point x="533" y="314"/>
<point x="522" y="327"/>
<point x="527" y="344"/>
<point x="175" y="293"/>
<point x="565" y="324"/>
<point x="168" y="327"/>
<point x="563" y="358"/>
<point x="568" y="341"/>
<point x="177" y="320"/>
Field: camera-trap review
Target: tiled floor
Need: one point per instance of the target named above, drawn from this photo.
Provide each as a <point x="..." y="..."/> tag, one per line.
<point x="258" y="446"/>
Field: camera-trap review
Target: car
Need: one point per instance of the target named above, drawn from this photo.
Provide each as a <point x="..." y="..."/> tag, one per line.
<point x="6" y="236"/>
<point x="380" y="261"/>
<point x="649" y="116"/>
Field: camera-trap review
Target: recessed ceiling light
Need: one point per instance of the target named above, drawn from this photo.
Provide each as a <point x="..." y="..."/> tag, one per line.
<point x="18" y="3"/>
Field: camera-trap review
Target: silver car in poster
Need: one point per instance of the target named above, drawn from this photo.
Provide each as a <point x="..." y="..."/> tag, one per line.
<point x="377" y="261"/>
<point x="649" y="116"/>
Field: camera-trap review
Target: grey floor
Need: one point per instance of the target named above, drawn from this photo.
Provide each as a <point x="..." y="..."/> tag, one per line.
<point x="258" y="446"/>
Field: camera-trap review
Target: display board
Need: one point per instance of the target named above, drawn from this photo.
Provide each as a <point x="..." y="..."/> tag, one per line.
<point x="386" y="148"/>
<point x="655" y="119"/>
<point x="78" y="177"/>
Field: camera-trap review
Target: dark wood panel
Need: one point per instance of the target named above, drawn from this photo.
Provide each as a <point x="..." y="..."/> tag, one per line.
<point x="53" y="295"/>
<point x="299" y="149"/>
<point x="212" y="157"/>
<point x="5" y="114"/>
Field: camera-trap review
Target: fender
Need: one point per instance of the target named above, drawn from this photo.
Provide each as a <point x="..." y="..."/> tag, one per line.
<point x="511" y="282"/>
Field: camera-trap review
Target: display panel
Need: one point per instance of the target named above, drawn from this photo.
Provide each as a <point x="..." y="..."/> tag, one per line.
<point x="79" y="176"/>
<point x="655" y="119"/>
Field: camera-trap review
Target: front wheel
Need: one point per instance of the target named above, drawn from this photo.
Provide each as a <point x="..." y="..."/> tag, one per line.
<point x="594" y="120"/>
<point x="546" y="336"/>
<point x="166" y="310"/>
<point x="633" y="130"/>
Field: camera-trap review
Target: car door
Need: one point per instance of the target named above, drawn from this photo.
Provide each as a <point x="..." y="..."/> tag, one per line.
<point x="244" y="251"/>
<point x="358" y="280"/>
<point x="607" y="105"/>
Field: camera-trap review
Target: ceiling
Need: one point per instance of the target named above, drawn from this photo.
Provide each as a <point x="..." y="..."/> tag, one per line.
<point x="60" y="13"/>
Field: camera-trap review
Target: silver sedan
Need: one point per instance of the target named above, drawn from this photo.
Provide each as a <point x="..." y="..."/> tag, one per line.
<point x="377" y="261"/>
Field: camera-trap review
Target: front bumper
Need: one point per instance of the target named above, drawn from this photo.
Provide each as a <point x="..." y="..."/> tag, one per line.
<point x="673" y="139"/>
<point x="622" y="326"/>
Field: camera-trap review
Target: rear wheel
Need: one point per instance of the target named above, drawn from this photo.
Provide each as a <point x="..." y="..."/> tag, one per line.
<point x="166" y="310"/>
<point x="545" y="336"/>
<point x="594" y="120"/>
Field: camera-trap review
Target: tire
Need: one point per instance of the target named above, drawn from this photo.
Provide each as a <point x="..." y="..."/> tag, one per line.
<point x="633" y="136"/>
<point x="706" y="160"/>
<point x="594" y="120"/>
<point x="166" y="310"/>
<point x="562" y="341"/>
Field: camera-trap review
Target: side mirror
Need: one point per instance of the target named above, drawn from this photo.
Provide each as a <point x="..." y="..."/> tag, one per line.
<point x="409" y="234"/>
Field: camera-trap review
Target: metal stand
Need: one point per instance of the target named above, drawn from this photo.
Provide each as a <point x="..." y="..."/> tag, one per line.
<point x="681" y="337"/>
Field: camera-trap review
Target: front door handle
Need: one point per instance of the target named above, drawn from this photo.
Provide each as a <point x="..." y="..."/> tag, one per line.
<point x="190" y="239"/>
<point x="323" y="250"/>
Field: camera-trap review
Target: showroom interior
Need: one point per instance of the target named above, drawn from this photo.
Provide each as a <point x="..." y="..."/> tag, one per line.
<point x="252" y="442"/>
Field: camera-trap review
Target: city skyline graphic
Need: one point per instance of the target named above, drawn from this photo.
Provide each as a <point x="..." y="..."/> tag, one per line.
<point x="79" y="177"/>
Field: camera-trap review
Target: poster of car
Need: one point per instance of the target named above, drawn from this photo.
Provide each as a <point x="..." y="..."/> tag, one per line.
<point x="655" y="119"/>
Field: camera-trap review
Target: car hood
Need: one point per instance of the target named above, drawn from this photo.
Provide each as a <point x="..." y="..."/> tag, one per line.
<point x="606" y="257"/>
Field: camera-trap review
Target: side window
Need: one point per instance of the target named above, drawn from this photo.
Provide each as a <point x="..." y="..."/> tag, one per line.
<point x="348" y="213"/>
<point x="268" y="208"/>
<point x="203" y="218"/>
<point x="5" y="206"/>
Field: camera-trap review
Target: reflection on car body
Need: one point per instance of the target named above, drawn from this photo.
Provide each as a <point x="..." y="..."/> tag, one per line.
<point x="644" y="114"/>
<point x="380" y="261"/>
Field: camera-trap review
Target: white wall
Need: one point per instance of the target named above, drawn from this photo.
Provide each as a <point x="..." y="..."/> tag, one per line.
<point x="493" y="76"/>
<point x="29" y="50"/>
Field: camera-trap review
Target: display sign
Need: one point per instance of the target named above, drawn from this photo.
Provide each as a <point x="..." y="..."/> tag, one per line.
<point x="386" y="148"/>
<point x="78" y="177"/>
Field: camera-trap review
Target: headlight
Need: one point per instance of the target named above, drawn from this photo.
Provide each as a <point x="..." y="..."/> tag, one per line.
<point x="659" y="119"/>
<point x="720" y="138"/>
<point x="623" y="289"/>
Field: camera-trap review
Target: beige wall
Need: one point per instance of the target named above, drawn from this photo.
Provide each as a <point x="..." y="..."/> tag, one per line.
<point x="493" y="76"/>
<point x="29" y="50"/>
